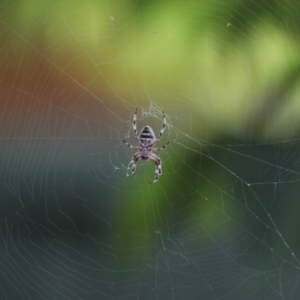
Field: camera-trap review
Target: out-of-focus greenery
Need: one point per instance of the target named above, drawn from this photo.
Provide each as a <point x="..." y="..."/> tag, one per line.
<point x="234" y="60"/>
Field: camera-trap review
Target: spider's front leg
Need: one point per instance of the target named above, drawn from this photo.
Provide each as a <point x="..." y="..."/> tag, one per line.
<point x="132" y="164"/>
<point x="158" y="170"/>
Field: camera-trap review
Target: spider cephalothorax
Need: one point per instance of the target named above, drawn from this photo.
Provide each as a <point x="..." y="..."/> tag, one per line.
<point x="145" y="151"/>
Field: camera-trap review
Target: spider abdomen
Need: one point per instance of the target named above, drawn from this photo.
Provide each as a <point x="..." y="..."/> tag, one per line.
<point x="147" y="135"/>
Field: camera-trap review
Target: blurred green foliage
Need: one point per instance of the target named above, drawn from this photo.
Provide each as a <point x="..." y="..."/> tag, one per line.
<point x="234" y="58"/>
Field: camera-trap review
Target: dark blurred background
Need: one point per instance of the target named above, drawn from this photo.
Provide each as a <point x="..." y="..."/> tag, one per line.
<point x="222" y="221"/>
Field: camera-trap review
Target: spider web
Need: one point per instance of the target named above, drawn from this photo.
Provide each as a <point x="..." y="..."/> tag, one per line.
<point x="222" y="221"/>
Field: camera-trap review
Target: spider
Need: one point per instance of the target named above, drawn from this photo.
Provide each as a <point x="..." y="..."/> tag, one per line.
<point x="145" y="151"/>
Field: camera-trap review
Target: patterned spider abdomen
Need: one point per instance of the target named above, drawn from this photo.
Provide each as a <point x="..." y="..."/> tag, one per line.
<point x="147" y="135"/>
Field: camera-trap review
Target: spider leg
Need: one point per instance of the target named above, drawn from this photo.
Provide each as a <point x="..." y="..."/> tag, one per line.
<point x="161" y="132"/>
<point x="132" y="164"/>
<point x="164" y="126"/>
<point x="134" y="125"/>
<point x="130" y="146"/>
<point x="161" y="148"/>
<point x="158" y="170"/>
